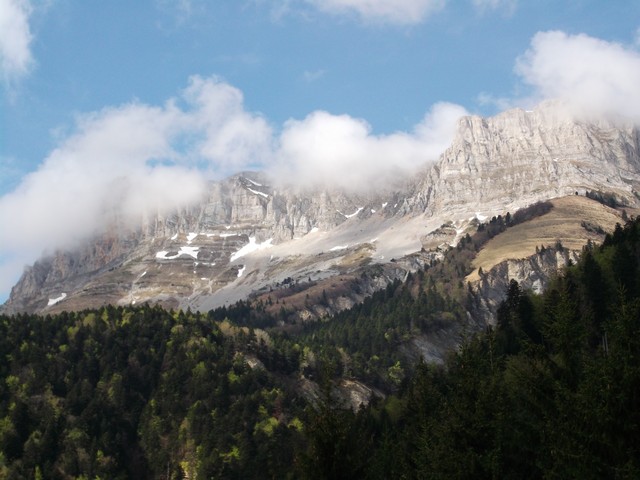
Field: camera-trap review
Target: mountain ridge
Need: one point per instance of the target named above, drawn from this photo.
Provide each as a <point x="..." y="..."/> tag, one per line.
<point x="250" y="233"/>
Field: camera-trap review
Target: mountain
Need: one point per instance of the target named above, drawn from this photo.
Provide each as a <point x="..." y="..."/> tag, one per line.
<point x="252" y="235"/>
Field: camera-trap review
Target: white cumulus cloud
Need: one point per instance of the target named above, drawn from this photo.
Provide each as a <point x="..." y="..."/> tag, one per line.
<point x="128" y="161"/>
<point x="341" y="151"/>
<point x="123" y="163"/>
<point x="402" y="12"/>
<point x="15" y="39"/>
<point x="233" y="139"/>
<point x="596" y="77"/>
<point x="97" y="174"/>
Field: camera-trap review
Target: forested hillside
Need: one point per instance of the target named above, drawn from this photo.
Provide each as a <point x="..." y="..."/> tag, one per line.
<point x="139" y="393"/>
<point x="553" y="390"/>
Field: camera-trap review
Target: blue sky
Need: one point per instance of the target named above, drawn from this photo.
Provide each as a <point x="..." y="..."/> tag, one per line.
<point x="156" y="91"/>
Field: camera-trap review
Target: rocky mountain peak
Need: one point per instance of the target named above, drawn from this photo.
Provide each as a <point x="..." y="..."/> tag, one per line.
<point x="518" y="157"/>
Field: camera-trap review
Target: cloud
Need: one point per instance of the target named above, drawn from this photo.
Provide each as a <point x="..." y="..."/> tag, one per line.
<point x="594" y="76"/>
<point x="15" y="39"/>
<point x="399" y="12"/>
<point x="232" y="138"/>
<point x="340" y="151"/>
<point x="94" y="176"/>
<point x="122" y="163"/>
<point x="508" y="6"/>
<point x="500" y="104"/>
<point x="393" y="12"/>
<point x="311" y="76"/>
<point x="128" y="161"/>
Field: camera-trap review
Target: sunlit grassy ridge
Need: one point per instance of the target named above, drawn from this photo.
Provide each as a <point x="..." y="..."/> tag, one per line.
<point x="573" y="220"/>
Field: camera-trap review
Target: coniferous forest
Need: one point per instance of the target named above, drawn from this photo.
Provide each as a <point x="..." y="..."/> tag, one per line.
<point x="551" y="391"/>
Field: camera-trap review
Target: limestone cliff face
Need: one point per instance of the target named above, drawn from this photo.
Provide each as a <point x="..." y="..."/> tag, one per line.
<point x="70" y="269"/>
<point x="532" y="273"/>
<point x="245" y="202"/>
<point x="519" y="157"/>
<point x="201" y="239"/>
<point x="493" y="165"/>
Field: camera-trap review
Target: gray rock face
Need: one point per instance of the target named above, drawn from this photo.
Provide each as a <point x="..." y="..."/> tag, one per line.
<point x="246" y="203"/>
<point x="199" y="245"/>
<point x="248" y="234"/>
<point x="518" y="157"/>
<point x="532" y="273"/>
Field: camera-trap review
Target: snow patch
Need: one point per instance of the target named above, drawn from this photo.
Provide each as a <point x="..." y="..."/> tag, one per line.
<point x="191" y="251"/>
<point x="190" y="237"/>
<point x="174" y="237"/>
<point x="351" y="215"/>
<point x="373" y="211"/>
<point x="385" y="204"/>
<point x="241" y="271"/>
<point x="481" y="217"/>
<point x="256" y="192"/>
<point x="53" y="301"/>
<point x="373" y="240"/>
<point x="255" y="183"/>
<point x="314" y="230"/>
<point x="251" y="247"/>
<point x="339" y="247"/>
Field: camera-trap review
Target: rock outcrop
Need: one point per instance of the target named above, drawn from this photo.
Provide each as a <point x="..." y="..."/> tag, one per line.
<point x="532" y="273"/>
<point x="518" y="157"/>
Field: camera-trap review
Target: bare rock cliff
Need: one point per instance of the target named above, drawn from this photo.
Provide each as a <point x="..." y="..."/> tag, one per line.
<point x="532" y="273"/>
<point x="519" y="157"/>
